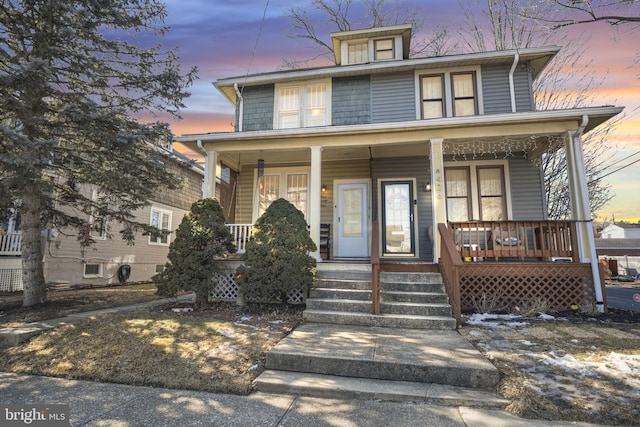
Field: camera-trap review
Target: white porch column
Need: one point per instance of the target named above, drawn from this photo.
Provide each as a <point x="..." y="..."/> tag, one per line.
<point x="580" y="209"/>
<point x="315" y="185"/>
<point x="210" y="166"/>
<point x="438" y="200"/>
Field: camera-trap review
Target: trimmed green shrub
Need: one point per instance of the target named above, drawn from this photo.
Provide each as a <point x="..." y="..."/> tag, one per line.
<point x="277" y="259"/>
<point x="201" y="237"/>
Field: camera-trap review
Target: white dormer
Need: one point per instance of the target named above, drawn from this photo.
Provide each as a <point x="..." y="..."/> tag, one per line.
<point x="371" y="45"/>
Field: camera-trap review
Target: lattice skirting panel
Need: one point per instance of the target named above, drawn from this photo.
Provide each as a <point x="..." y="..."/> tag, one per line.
<point x="226" y="289"/>
<point x="512" y="284"/>
<point x="10" y="279"/>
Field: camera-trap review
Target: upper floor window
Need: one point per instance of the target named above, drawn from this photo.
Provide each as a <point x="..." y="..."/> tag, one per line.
<point x="383" y="49"/>
<point x="302" y="105"/>
<point x="162" y="220"/>
<point x="358" y="52"/>
<point x="432" y="89"/>
<point x="448" y="93"/>
<point x="464" y="94"/>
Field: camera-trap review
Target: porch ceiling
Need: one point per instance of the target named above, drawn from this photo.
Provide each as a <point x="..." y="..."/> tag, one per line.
<point x="514" y="132"/>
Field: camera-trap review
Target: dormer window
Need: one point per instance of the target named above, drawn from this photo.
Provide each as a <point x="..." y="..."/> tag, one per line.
<point x="383" y="49"/>
<point x="358" y="53"/>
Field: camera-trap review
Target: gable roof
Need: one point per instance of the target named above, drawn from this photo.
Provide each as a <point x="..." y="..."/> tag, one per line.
<point x="538" y="58"/>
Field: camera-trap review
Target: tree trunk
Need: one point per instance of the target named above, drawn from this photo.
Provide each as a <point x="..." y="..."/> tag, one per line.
<point x="35" y="289"/>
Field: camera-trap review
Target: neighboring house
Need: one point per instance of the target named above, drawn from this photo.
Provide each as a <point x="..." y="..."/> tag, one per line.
<point x="108" y="260"/>
<point x="621" y="230"/>
<point x="386" y="145"/>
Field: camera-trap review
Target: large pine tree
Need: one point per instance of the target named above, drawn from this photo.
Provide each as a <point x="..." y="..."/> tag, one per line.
<point x="73" y="75"/>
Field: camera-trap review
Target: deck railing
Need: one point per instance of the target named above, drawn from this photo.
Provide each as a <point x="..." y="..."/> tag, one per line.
<point x="241" y="235"/>
<point x="11" y="243"/>
<point x="515" y="265"/>
<point x="375" y="269"/>
<point x="526" y="240"/>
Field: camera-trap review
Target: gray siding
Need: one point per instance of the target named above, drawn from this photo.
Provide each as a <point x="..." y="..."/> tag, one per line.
<point x="351" y="101"/>
<point x="402" y="168"/>
<point x="258" y="108"/>
<point x="496" y="93"/>
<point x="393" y="97"/>
<point x="527" y="194"/>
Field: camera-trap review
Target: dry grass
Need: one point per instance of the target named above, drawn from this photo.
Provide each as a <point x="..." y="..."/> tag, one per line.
<point x="554" y="371"/>
<point x="145" y="347"/>
<point x="64" y="302"/>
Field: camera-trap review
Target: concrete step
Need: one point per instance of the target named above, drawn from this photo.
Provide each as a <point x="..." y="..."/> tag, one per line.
<point x="343" y="284"/>
<point x="416" y="309"/>
<point x="336" y="387"/>
<point x="327" y="293"/>
<point x="411" y="287"/>
<point x="346" y="305"/>
<point x="397" y="354"/>
<point x="382" y="320"/>
<point x="343" y="275"/>
<point x="390" y="277"/>
<point x="415" y="297"/>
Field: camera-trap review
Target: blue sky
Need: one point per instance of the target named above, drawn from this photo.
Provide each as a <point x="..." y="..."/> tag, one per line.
<point x="219" y="38"/>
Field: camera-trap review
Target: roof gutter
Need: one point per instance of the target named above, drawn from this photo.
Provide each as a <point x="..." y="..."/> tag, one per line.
<point x="512" y="88"/>
<point x="240" y="106"/>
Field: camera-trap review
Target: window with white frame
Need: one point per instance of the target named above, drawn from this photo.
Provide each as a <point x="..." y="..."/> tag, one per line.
<point x="160" y="219"/>
<point x="291" y="184"/>
<point x="358" y="52"/>
<point x="448" y="93"/>
<point x="304" y="105"/>
<point x="477" y="191"/>
<point x="98" y="228"/>
<point x="383" y="49"/>
<point x="92" y="271"/>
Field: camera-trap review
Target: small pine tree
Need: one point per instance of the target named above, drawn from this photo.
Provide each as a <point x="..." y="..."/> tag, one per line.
<point x="277" y="259"/>
<point x="201" y="237"/>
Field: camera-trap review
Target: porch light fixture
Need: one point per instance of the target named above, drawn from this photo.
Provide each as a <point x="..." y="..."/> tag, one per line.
<point x="324" y="188"/>
<point x="427" y="187"/>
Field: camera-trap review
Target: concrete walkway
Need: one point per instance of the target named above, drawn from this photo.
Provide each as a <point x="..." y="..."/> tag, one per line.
<point x="99" y="404"/>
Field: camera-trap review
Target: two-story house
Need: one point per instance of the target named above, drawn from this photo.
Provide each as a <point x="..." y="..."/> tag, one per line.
<point x="407" y="157"/>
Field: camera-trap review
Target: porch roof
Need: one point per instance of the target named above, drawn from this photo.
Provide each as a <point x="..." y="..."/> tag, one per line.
<point x="396" y="139"/>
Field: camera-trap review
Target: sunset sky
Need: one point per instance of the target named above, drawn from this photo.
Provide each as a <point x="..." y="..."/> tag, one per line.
<point x="219" y="37"/>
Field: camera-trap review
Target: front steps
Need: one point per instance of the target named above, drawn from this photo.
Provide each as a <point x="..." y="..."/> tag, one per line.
<point x="407" y="300"/>
<point x="411" y="352"/>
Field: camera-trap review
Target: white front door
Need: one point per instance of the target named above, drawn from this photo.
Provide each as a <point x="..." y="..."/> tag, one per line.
<point x="352" y="233"/>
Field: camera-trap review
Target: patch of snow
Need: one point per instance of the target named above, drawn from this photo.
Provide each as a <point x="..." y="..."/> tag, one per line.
<point x="545" y="316"/>
<point x="245" y="318"/>
<point x="276" y="322"/>
<point x="182" y="310"/>
<point x="496" y="320"/>
<point x="229" y="333"/>
<point x="525" y="342"/>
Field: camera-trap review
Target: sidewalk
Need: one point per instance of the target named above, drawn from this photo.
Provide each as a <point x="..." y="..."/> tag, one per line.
<point x="100" y="404"/>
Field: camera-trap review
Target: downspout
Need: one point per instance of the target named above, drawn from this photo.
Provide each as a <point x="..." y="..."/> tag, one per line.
<point x="595" y="271"/>
<point x="512" y="88"/>
<point x="240" y="106"/>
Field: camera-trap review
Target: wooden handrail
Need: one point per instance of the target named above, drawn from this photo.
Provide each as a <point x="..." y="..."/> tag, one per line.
<point x="450" y="263"/>
<point x="375" y="268"/>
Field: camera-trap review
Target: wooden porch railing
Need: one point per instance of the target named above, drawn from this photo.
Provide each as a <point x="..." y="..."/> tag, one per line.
<point x="542" y="240"/>
<point x="375" y="268"/>
<point x="527" y="275"/>
<point x="241" y="235"/>
<point x="11" y="243"/>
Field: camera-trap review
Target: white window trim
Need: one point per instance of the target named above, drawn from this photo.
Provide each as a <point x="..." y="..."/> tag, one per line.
<point x="448" y="90"/>
<point x="302" y="97"/>
<point x="397" y="49"/>
<point x="344" y="51"/>
<point x="152" y="240"/>
<point x="283" y="173"/>
<point x="92" y="276"/>
<point x="473" y="171"/>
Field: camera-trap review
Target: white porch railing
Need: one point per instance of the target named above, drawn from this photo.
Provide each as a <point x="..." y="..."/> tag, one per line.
<point x="241" y="235"/>
<point x="11" y="243"/>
